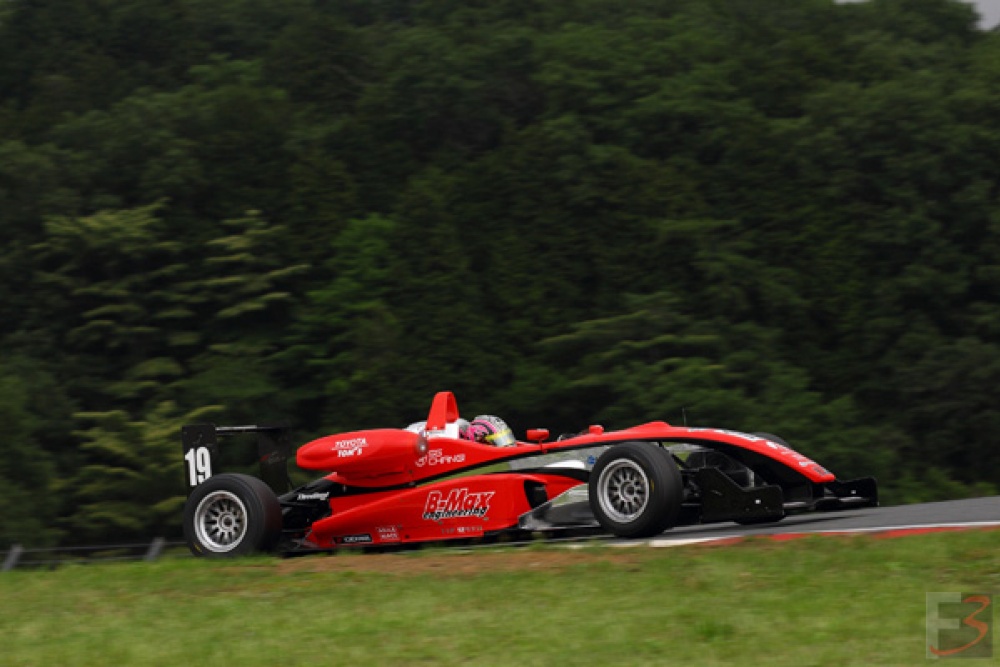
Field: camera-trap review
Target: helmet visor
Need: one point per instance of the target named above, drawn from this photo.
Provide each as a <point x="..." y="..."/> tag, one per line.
<point x="502" y="438"/>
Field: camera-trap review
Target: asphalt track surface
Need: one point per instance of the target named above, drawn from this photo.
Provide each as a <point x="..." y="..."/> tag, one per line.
<point x="926" y="517"/>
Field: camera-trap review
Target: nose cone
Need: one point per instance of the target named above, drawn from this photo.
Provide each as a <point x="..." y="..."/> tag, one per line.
<point x="325" y="453"/>
<point x="358" y="449"/>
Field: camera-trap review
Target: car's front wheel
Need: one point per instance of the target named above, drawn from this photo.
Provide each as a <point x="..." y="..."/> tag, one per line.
<point x="635" y="491"/>
<point x="231" y="515"/>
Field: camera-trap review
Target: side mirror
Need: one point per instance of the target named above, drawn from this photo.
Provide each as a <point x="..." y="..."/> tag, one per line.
<point x="538" y="434"/>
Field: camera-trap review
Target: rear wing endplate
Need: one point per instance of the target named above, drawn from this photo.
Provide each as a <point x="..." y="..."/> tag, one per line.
<point x="202" y="460"/>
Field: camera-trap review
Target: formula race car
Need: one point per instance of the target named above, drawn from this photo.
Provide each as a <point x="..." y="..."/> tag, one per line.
<point x="394" y="486"/>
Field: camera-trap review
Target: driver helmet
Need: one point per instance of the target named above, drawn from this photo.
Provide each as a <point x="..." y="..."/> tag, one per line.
<point x="491" y="430"/>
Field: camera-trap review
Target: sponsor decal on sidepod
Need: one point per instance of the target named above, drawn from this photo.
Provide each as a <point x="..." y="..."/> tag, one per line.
<point x="387" y="533"/>
<point x="458" y="503"/>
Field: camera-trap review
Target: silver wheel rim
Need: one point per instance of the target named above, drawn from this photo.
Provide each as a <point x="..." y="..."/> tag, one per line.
<point x="220" y="521"/>
<point x="623" y="491"/>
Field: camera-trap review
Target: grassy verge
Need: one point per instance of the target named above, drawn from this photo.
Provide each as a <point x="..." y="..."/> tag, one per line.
<point x="815" y="601"/>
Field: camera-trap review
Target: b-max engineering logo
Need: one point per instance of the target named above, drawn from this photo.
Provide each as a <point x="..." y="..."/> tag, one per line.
<point x="458" y="503"/>
<point x="959" y="625"/>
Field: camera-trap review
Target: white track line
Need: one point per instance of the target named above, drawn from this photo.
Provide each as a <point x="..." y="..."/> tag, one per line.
<point x="668" y="542"/>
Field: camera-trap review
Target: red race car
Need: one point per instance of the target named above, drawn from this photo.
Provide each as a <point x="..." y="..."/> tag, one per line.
<point x="399" y="486"/>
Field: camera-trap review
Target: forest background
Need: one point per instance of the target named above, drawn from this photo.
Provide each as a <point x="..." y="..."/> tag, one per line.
<point x="763" y="215"/>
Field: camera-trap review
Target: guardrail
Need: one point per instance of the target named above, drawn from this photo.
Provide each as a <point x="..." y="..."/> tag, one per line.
<point x="52" y="557"/>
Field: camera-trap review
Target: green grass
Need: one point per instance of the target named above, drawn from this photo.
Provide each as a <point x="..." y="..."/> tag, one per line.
<point x="815" y="601"/>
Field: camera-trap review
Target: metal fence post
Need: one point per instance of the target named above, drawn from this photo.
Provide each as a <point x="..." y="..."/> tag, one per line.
<point x="13" y="556"/>
<point x="155" y="549"/>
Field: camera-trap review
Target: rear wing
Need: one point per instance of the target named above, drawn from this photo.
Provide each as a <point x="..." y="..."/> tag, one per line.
<point x="202" y="459"/>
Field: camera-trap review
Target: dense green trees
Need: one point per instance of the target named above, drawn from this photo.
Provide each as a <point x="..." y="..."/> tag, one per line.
<point x="758" y="214"/>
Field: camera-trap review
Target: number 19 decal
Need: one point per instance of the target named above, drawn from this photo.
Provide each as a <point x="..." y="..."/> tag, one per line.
<point x="199" y="462"/>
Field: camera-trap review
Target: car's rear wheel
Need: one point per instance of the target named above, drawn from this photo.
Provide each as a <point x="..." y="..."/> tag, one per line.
<point x="232" y="515"/>
<point x="635" y="491"/>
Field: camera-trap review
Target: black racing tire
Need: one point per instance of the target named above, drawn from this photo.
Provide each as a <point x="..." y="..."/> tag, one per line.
<point x="232" y="515"/>
<point x="636" y="490"/>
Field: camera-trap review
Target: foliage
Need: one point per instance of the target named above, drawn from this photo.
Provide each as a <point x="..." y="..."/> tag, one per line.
<point x="757" y="214"/>
<point x="614" y="606"/>
<point x="28" y="400"/>
<point x="132" y="481"/>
